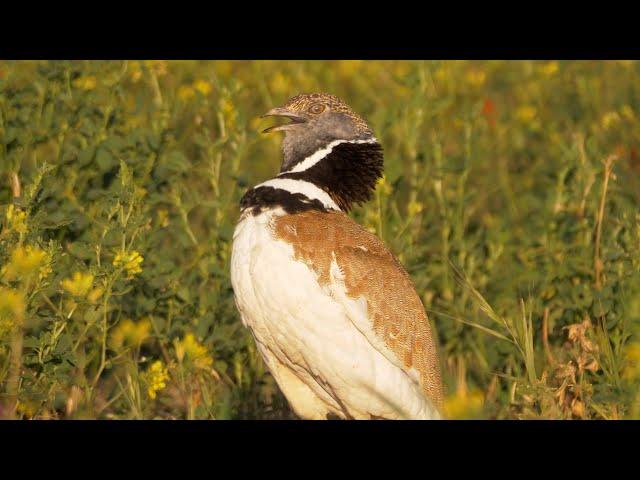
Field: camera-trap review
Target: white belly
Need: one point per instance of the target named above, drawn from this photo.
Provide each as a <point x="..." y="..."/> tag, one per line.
<point x="321" y="361"/>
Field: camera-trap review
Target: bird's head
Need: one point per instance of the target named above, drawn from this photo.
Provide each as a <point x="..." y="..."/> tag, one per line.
<point x="316" y="119"/>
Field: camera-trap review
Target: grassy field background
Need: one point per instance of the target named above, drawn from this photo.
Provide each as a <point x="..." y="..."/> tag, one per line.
<point x="511" y="196"/>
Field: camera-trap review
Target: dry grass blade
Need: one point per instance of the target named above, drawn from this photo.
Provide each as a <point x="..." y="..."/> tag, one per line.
<point x="521" y="332"/>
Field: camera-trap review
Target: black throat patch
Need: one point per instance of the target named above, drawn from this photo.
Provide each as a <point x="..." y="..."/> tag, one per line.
<point x="264" y="197"/>
<point x="348" y="173"/>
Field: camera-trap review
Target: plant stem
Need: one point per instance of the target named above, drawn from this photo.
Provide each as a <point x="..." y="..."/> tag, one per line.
<point x="15" y="185"/>
<point x="545" y="337"/>
<point x="597" y="261"/>
<point x="15" y="369"/>
<point x="15" y="361"/>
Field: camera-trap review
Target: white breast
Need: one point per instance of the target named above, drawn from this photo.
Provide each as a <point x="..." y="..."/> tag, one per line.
<point x="321" y="361"/>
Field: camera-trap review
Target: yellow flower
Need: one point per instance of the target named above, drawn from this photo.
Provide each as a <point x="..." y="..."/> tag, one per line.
<point x="186" y="92"/>
<point x="280" y="84"/>
<point x="24" y="262"/>
<point x="191" y="349"/>
<point x="349" y="67"/>
<point x="95" y="294"/>
<point x="12" y="306"/>
<point x="16" y="219"/>
<point x="476" y="78"/>
<point x="441" y="74"/>
<point x="140" y="192"/>
<point x="26" y="409"/>
<point x="550" y="68"/>
<point x="135" y="70"/>
<point x="384" y="186"/>
<point x="130" y="262"/>
<point x="202" y="86"/>
<point x="627" y="112"/>
<point x="156" y="377"/>
<point x="526" y="113"/>
<point x="79" y="284"/>
<point x="458" y="123"/>
<point x="85" y="83"/>
<point x="401" y="68"/>
<point x="626" y="63"/>
<point x="159" y="67"/>
<point x="223" y="67"/>
<point x="609" y="119"/>
<point x="414" y="208"/>
<point x="163" y="217"/>
<point x="229" y="112"/>
<point x="631" y="369"/>
<point x="226" y="106"/>
<point x="130" y="333"/>
<point x="464" y="406"/>
<point x="45" y="269"/>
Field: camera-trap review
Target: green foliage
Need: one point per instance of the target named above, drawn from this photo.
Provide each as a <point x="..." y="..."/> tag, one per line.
<point x="510" y="195"/>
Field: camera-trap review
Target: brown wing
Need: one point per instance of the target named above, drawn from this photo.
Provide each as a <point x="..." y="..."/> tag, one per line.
<point x="372" y="271"/>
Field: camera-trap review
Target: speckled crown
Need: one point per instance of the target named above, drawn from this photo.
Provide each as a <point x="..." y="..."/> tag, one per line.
<point x="302" y="102"/>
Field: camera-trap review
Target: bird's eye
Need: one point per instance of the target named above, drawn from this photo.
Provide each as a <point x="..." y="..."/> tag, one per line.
<point x="316" y="108"/>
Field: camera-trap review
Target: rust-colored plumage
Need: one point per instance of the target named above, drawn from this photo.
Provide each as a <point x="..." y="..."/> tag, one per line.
<point x="370" y="271"/>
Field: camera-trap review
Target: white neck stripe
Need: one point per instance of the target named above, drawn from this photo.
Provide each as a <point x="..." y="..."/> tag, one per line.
<point x="307" y="189"/>
<point x="313" y="159"/>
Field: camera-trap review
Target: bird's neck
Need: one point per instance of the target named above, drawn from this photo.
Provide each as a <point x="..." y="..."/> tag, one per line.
<point x="334" y="177"/>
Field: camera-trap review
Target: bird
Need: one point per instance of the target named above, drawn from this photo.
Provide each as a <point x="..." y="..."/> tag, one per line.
<point x="333" y="313"/>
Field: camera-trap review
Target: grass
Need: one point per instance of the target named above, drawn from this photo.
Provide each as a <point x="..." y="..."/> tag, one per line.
<point x="510" y="195"/>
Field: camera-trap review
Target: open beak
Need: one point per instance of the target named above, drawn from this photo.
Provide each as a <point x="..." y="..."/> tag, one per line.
<point x="282" y="112"/>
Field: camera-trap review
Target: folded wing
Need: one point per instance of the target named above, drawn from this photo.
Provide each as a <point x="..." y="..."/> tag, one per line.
<point x="359" y="271"/>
